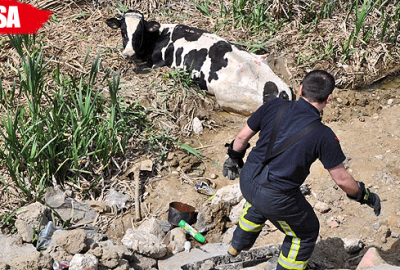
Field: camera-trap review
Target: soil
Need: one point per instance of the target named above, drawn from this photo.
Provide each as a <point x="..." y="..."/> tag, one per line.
<point x="366" y="120"/>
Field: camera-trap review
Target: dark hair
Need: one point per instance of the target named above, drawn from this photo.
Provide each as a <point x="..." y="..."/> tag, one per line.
<point x="318" y="85"/>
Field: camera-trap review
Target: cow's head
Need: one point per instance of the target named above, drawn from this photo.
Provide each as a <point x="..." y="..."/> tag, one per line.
<point x="133" y="29"/>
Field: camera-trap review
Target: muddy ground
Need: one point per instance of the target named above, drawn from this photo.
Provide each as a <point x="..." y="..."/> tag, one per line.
<point x="368" y="125"/>
<point x="366" y="120"/>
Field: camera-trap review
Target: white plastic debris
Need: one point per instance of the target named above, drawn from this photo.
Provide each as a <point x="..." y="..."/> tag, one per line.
<point x="116" y="198"/>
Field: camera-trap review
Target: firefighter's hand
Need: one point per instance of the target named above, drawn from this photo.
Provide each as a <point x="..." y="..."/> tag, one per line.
<point x="365" y="196"/>
<point x="232" y="168"/>
<point x="374" y="202"/>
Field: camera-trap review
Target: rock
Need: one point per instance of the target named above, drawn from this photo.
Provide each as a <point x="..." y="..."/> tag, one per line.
<point x="146" y="165"/>
<point x="72" y="241"/>
<point x="80" y="213"/>
<point x="197" y="125"/>
<point x="31" y="216"/>
<point x="322" y="207"/>
<point x="210" y="216"/>
<point x="333" y="224"/>
<point x="229" y="193"/>
<point x="166" y="226"/>
<point x="246" y="259"/>
<point x="144" y="243"/>
<point x="236" y="211"/>
<point x="84" y="262"/>
<point x="352" y="245"/>
<point x="143" y="262"/>
<point x="370" y="259"/>
<point x="175" y="240"/>
<point x="92" y="236"/>
<point x="123" y="265"/>
<point x="122" y="251"/>
<point x="110" y="257"/>
<point x="153" y="226"/>
<point x="58" y="254"/>
<point x="11" y="249"/>
<point x="384" y="231"/>
<point x="207" y="265"/>
<point x="207" y="251"/>
<point x="33" y="261"/>
<point x="228" y="235"/>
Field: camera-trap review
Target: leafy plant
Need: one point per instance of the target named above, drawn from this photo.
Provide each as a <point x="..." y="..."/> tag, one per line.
<point x="54" y="131"/>
<point x="361" y="15"/>
<point x="203" y="7"/>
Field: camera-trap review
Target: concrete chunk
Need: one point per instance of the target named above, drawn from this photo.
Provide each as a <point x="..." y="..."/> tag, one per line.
<point x="144" y="243"/>
<point x="204" y="252"/>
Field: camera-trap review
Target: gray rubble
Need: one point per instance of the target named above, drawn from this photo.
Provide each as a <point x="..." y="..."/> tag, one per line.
<point x="155" y="244"/>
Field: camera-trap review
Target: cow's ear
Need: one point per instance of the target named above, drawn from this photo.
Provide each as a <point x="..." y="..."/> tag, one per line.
<point x="152" y="26"/>
<point x="113" y="23"/>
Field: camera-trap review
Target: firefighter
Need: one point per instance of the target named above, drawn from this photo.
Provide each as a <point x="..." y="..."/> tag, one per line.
<point x="274" y="194"/>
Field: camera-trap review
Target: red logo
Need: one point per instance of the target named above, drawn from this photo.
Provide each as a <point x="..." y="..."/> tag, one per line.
<point x="336" y="138"/>
<point x="18" y="18"/>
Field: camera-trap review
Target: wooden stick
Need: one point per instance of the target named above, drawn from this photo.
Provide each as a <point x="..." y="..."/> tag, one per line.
<point x="137" y="184"/>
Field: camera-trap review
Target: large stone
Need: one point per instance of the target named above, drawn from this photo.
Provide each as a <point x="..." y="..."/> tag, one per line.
<point x="196" y="254"/>
<point x="228" y="235"/>
<point x="110" y="257"/>
<point x="84" y="262"/>
<point x="175" y="240"/>
<point x="143" y="262"/>
<point x="80" y="213"/>
<point x="236" y="211"/>
<point x="144" y="243"/>
<point x="153" y="226"/>
<point x="322" y="207"/>
<point x="214" y="256"/>
<point x="72" y="241"/>
<point x="11" y="249"/>
<point x="229" y="193"/>
<point x="352" y="245"/>
<point x="33" y="261"/>
<point x="30" y="217"/>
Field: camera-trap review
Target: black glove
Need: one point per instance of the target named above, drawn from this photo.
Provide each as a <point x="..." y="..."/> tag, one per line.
<point x="365" y="196"/>
<point x="234" y="163"/>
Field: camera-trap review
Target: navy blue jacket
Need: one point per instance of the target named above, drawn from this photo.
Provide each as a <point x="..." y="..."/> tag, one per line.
<point x="290" y="169"/>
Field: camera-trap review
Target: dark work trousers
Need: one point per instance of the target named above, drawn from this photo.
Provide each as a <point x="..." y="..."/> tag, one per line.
<point x="289" y="211"/>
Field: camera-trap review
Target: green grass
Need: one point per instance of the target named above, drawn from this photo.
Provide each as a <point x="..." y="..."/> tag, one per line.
<point x="58" y="127"/>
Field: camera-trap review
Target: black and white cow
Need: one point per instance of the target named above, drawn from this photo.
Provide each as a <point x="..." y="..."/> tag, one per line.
<point x="237" y="78"/>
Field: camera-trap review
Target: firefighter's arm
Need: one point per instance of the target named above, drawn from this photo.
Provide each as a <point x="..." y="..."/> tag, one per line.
<point x="344" y="180"/>
<point x="242" y="139"/>
<point x="355" y="190"/>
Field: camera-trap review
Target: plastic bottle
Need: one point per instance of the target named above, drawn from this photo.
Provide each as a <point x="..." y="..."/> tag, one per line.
<point x="192" y="231"/>
<point x="45" y="235"/>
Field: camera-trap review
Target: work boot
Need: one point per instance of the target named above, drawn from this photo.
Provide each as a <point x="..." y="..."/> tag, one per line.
<point x="232" y="251"/>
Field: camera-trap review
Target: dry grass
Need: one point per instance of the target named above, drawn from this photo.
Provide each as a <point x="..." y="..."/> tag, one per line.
<point x="78" y="26"/>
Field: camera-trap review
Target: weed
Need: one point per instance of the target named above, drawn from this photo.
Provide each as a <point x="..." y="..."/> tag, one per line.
<point x="55" y="131"/>
<point x="361" y="15"/>
<point x="203" y="7"/>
